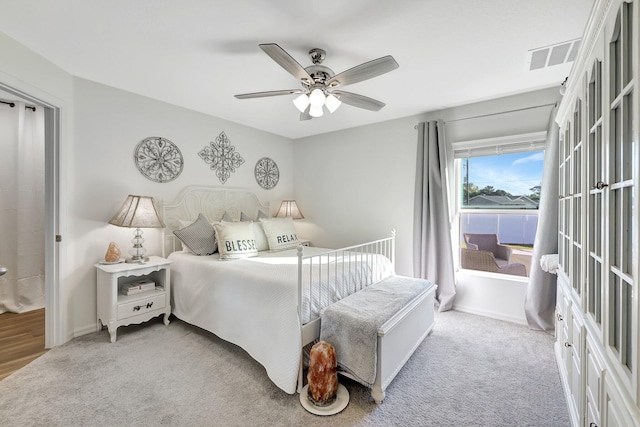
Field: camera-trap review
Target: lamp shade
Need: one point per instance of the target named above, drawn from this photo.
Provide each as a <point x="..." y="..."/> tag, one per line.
<point x="137" y="212"/>
<point x="301" y="102"/>
<point x="332" y="103"/>
<point x="289" y="208"/>
<point x="317" y="98"/>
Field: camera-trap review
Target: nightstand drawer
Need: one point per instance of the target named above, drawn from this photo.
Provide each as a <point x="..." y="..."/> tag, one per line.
<point x="141" y="306"/>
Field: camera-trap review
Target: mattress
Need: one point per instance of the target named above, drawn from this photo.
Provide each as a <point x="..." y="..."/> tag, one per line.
<point x="253" y="302"/>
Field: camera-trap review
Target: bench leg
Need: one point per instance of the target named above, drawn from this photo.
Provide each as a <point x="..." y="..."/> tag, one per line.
<point x="301" y="374"/>
<point x="377" y="393"/>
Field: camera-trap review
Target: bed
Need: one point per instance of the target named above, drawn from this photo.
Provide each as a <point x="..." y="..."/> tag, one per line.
<point x="268" y="304"/>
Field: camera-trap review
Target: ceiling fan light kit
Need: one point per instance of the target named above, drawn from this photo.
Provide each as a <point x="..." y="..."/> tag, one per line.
<point x="301" y="102"/>
<point x="319" y="82"/>
<point x="332" y="103"/>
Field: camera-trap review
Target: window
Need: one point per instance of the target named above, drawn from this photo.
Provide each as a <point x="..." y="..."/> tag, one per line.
<point x="507" y="181"/>
<point x="498" y="193"/>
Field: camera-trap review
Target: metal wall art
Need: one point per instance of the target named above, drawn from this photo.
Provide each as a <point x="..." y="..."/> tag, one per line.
<point x="222" y="157"/>
<point x="158" y="159"/>
<point x="267" y="173"/>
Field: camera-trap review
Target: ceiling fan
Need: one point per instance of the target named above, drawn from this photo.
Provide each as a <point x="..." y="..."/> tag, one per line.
<point x="321" y="87"/>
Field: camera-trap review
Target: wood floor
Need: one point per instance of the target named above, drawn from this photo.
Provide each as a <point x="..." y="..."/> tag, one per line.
<point x="21" y="340"/>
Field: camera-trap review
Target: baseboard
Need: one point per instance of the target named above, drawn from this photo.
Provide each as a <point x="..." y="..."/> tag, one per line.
<point x="88" y="329"/>
<point x="491" y="314"/>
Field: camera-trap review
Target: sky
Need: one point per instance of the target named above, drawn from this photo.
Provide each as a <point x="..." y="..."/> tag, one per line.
<point x="515" y="173"/>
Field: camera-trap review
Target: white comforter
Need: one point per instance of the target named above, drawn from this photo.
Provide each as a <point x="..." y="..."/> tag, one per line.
<point x="250" y="302"/>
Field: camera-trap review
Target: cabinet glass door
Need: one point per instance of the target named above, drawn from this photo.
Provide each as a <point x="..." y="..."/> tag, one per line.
<point x="595" y="206"/>
<point x="620" y="186"/>
<point x="575" y="273"/>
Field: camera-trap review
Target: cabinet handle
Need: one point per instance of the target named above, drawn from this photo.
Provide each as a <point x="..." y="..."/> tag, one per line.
<point x="559" y="317"/>
<point x="567" y="344"/>
<point x="600" y="185"/>
<point x="138" y="307"/>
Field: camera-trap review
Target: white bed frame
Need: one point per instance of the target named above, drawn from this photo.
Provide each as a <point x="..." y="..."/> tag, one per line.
<point x="210" y="201"/>
<point x="213" y="202"/>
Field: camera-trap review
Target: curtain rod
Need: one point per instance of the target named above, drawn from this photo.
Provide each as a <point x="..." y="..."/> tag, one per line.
<point x="13" y="104"/>
<point x="495" y="114"/>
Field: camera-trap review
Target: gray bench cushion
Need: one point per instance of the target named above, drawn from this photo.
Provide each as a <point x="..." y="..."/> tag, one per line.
<point x="351" y="325"/>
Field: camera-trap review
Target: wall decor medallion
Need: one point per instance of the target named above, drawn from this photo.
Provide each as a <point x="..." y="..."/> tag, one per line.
<point x="158" y="159"/>
<point x="222" y="157"/>
<point x="267" y="173"/>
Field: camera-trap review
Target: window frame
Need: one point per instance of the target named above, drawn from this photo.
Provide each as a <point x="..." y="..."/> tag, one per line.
<point x="535" y="141"/>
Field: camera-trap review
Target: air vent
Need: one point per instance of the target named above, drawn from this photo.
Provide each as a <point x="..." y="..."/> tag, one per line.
<point x="549" y="56"/>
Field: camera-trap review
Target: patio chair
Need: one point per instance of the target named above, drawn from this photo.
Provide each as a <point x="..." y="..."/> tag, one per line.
<point x="489" y="242"/>
<point x="473" y="259"/>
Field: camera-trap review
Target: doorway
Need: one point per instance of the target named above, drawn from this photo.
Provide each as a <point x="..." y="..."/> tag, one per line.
<point x="22" y="248"/>
<point x="22" y="279"/>
<point x="48" y="198"/>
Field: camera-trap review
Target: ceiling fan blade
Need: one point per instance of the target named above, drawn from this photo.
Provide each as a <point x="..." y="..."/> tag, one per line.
<point x="270" y="93"/>
<point x="306" y="115"/>
<point x="359" y="101"/>
<point x="287" y="62"/>
<point x="364" y="71"/>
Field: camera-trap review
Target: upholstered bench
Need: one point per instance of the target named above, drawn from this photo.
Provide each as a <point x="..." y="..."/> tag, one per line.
<point x="377" y="329"/>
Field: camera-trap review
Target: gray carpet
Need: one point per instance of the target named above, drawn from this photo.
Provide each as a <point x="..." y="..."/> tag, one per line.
<point x="471" y="371"/>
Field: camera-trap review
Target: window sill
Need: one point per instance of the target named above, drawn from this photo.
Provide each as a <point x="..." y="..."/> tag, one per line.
<point x="505" y="277"/>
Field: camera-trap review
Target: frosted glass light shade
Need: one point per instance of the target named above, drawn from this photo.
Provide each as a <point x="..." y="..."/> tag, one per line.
<point x="332" y="103"/>
<point x="289" y="208"/>
<point x="316" y="98"/>
<point x="316" y="111"/>
<point x="301" y="102"/>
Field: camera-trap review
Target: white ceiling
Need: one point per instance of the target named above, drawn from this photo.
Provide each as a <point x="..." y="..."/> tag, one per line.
<point x="199" y="53"/>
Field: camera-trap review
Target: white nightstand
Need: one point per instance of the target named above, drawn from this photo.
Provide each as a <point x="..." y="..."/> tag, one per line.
<point x="116" y="309"/>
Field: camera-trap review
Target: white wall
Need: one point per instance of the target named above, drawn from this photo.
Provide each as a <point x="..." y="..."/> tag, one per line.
<point x="100" y="127"/>
<point x="357" y="184"/>
<point x="352" y="185"/>
<point x="109" y="125"/>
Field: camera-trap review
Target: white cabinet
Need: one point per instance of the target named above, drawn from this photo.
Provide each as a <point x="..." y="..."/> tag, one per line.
<point x="593" y="383"/>
<point x="116" y="309"/>
<point x="615" y="412"/>
<point x="569" y="352"/>
<point x="598" y="236"/>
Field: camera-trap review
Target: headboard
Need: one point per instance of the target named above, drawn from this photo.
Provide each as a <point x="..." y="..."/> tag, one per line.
<point x="210" y="201"/>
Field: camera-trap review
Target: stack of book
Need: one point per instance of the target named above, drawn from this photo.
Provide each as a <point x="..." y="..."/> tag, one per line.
<point x="143" y="285"/>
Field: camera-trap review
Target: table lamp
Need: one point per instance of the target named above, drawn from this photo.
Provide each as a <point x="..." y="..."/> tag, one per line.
<point x="137" y="212"/>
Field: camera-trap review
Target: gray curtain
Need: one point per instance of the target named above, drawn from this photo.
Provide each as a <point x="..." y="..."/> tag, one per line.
<point x="432" y="252"/>
<point x="540" y="300"/>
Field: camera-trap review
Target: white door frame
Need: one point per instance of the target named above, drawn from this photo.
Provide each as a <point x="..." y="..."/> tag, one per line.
<point x="55" y="313"/>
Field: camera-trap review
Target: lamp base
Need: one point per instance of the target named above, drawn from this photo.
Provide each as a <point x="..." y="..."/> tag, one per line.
<point x="137" y="252"/>
<point x="137" y="260"/>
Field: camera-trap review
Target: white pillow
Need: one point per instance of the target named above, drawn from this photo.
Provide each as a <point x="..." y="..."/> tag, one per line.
<point x="281" y="234"/>
<point x="199" y="236"/>
<point x="235" y="240"/>
<point x="262" y="244"/>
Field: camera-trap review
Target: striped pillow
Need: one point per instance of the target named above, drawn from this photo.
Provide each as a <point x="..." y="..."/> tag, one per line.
<point x="199" y="237"/>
